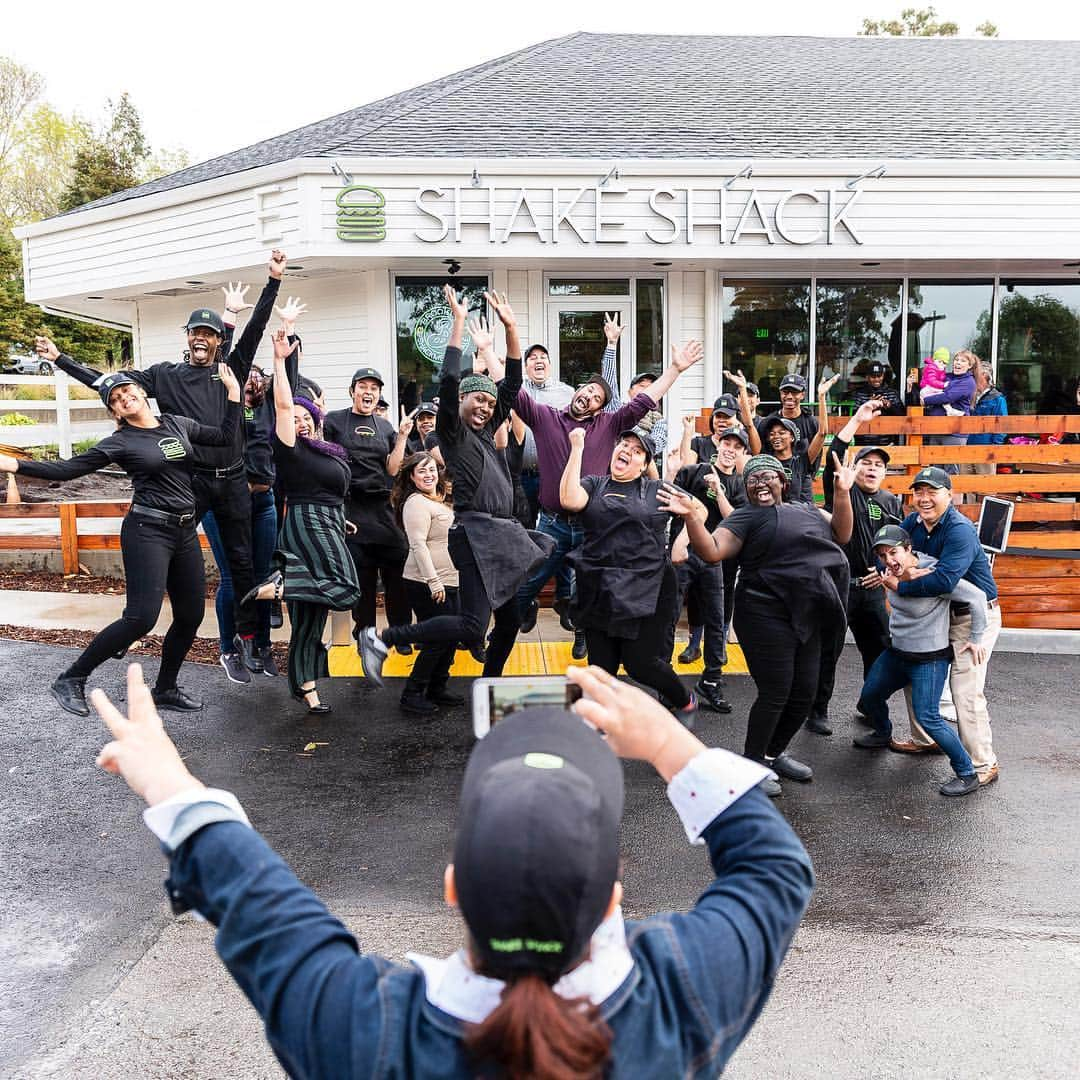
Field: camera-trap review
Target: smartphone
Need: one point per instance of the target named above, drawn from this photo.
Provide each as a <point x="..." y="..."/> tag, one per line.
<point x="492" y="699"/>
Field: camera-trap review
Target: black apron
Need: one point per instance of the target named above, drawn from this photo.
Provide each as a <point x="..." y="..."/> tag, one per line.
<point x="623" y="564"/>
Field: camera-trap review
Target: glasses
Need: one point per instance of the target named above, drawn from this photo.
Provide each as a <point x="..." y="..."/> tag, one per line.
<point x="760" y="479"/>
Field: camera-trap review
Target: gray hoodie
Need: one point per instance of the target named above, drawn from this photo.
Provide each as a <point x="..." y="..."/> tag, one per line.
<point x="919" y="625"/>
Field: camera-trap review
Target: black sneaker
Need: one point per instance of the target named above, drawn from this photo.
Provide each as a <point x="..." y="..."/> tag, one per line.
<point x="442" y="696"/>
<point x="404" y="650"/>
<point x="818" y="724"/>
<point x="175" y="700"/>
<point x="561" y="606"/>
<point x="277" y="616"/>
<point x="417" y="704"/>
<point x="791" y="769"/>
<point x="960" y="785"/>
<point x="871" y="740"/>
<point x="245" y="647"/>
<point x="528" y="622"/>
<point x="711" y="696"/>
<point x="269" y="667"/>
<point x="373" y="654"/>
<point x="580" y="649"/>
<point x="70" y="694"/>
<point x="234" y="667"/>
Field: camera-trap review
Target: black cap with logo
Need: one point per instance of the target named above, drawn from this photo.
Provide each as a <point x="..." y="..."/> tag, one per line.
<point x="776" y="418"/>
<point x="737" y="431"/>
<point x="932" y="475"/>
<point x="865" y="450"/>
<point x="643" y="438"/>
<point x="106" y="384"/>
<point x="793" y="382"/>
<point x="426" y="407"/>
<point x="727" y="404"/>
<point x="876" y="367"/>
<point x="890" y="536"/>
<point x="366" y="373"/>
<point x="537" y="849"/>
<point x="205" y="317"/>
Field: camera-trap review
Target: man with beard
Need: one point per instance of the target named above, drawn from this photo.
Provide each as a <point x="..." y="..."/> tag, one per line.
<point x="784" y="440"/>
<point x="375" y="452"/>
<point x="552" y="428"/>
<point x="193" y="389"/>
<point x="872" y="509"/>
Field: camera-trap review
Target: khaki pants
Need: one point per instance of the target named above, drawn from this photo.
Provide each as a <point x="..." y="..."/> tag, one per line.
<point x="966" y="682"/>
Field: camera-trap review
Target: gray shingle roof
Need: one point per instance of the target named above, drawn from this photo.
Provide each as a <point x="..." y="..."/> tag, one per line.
<point x="651" y="96"/>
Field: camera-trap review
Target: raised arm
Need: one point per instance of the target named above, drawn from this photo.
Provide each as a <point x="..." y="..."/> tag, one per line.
<point x="609" y="368"/>
<point x="681" y="360"/>
<point x="813" y="451"/>
<point x="284" y="425"/>
<point x="448" y="418"/>
<point x="485" y="359"/>
<point x="401" y="441"/>
<point x="243" y="353"/>
<point x="841" y="517"/>
<point x="511" y="383"/>
<point x="572" y="495"/>
<point x="746" y="414"/>
<point x="712" y="546"/>
<point x="45" y="347"/>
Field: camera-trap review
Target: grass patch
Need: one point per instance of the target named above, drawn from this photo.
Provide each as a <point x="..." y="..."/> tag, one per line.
<point x="51" y="451"/>
<point x="76" y="392"/>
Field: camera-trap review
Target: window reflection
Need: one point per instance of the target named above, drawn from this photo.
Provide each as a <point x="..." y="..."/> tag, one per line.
<point x="423" y="329"/>
<point x="649" y="326"/>
<point x="1039" y="345"/>
<point x="767" y="331"/>
<point x="951" y="313"/>
<point x="857" y="322"/>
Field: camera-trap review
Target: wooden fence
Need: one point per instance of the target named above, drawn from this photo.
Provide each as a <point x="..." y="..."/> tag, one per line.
<point x="1039" y="578"/>
<point x="70" y="541"/>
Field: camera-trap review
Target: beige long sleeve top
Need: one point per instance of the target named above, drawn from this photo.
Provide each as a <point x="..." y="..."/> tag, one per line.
<point x="427" y="524"/>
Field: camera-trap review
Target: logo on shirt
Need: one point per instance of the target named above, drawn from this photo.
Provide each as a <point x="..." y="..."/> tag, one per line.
<point x="369" y="432"/>
<point x="613" y="495"/>
<point x="172" y="449"/>
<point x="873" y="511"/>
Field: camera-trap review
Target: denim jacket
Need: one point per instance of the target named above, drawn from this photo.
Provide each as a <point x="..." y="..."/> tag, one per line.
<point x="698" y="981"/>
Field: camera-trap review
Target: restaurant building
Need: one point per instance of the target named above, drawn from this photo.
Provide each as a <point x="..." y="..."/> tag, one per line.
<point x="798" y="204"/>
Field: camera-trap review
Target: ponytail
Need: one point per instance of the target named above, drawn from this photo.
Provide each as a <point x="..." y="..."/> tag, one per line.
<point x="534" y="1033"/>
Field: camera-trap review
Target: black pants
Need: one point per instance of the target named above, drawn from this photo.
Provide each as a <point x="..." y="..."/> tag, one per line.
<point x="784" y="670"/>
<point x="869" y="622"/>
<point x="706" y="581"/>
<point x="432" y="667"/>
<point x="158" y="558"/>
<point x="474" y="612"/>
<point x="230" y="500"/>
<point x="370" y="560"/>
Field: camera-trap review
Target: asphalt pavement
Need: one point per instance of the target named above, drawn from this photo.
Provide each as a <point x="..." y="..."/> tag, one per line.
<point x="943" y="939"/>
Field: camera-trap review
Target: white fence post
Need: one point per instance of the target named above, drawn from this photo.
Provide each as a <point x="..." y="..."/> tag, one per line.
<point x="63" y="414"/>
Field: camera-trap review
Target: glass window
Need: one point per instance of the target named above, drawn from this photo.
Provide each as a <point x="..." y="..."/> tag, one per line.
<point x="423" y="329"/>
<point x="767" y="331"/>
<point x="857" y="321"/>
<point x="649" y="326"/>
<point x="1038" y="357"/>
<point x="955" y="314"/>
<point x="581" y="345"/>
<point x="588" y="287"/>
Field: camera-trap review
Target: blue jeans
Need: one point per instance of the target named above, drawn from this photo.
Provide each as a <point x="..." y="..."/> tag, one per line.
<point x="892" y="672"/>
<point x="263" y="542"/>
<point x="566" y="537"/>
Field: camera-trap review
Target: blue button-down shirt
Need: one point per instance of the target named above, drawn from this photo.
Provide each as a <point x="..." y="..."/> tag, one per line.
<point x="954" y="542"/>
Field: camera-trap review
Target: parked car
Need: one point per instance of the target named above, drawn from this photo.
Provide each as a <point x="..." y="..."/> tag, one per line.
<point x="30" y="365"/>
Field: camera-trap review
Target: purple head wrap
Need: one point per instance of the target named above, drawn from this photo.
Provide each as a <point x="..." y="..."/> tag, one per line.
<point x="319" y="445"/>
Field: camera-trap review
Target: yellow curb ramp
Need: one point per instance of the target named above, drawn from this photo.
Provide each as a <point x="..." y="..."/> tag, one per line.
<point x="527" y="658"/>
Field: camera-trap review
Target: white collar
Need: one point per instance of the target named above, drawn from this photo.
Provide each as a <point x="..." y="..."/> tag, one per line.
<point x="453" y="986"/>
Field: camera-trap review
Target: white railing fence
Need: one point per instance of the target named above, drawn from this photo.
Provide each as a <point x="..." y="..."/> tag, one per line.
<point x="60" y="429"/>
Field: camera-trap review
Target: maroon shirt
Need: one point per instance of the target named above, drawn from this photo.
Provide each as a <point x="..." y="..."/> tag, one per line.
<point x="551" y="429"/>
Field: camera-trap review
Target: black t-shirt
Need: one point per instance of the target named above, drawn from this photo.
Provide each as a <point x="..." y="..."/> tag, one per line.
<point x="806" y="422"/>
<point x="692" y="478"/>
<point x="258" y="454"/>
<point x="305" y="475"/>
<point x="159" y="460"/>
<point x="704" y="447"/>
<point x="188" y="390"/>
<point x="368" y="440"/>
<point x="756" y="526"/>
<point x="417" y="442"/>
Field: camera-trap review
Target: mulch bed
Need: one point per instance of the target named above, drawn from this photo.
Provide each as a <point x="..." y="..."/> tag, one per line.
<point x="44" y="581"/>
<point x="204" y="651"/>
<point x="106" y="486"/>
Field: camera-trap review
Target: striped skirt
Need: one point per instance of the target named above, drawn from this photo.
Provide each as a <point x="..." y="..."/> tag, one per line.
<point x="313" y="558"/>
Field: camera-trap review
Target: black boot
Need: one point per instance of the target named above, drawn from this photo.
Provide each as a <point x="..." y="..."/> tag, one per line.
<point x="175" y="700"/>
<point x="70" y="694"/>
<point x="818" y="723"/>
<point x="438" y="693"/>
<point x="414" y="701"/>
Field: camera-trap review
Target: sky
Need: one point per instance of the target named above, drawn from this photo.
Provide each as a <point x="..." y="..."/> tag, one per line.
<point x="213" y="77"/>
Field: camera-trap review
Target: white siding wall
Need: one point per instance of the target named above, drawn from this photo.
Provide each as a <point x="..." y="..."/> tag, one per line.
<point x="334" y="331"/>
<point x="691" y="386"/>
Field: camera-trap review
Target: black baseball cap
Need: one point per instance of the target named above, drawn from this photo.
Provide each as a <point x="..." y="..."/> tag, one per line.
<point x="864" y="451"/>
<point x="752" y="389"/>
<point x="534" y="348"/>
<point x="645" y="440"/>
<point x="876" y="367"/>
<point x="932" y="475"/>
<point x="641" y="376"/>
<point x="793" y="382"/>
<point x="208" y="318"/>
<point x="427" y="407"/>
<point x="366" y="373"/>
<point x="737" y="431"/>
<point x="382" y="403"/>
<point x="106" y="384"/>
<point x="776" y="418"/>
<point x="890" y="536"/>
<point x="600" y="381"/>
<point x="727" y="404"/>
<point x="537" y="848"/>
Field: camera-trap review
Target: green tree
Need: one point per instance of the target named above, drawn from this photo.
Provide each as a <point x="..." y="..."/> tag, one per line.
<point x="919" y="22"/>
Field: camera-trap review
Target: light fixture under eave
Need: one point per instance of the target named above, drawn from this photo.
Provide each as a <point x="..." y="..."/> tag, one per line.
<point x="661" y="264"/>
<point x="95" y="298"/>
<point x="1071" y="264"/>
<point x="293" y="266"/>
<point x="870" y="264"/>
<point x="612" y="174"/>
<point x="872" y="174"/>
<point x="194" y="283"/>
<point x="743" y="174"/>
<point x="337" y="170"/>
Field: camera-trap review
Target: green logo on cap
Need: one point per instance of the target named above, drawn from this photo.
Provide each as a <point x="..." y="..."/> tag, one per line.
<point x="205" y="315"/>
<point x="516" y="944"/>
<point x="543" y="761"/>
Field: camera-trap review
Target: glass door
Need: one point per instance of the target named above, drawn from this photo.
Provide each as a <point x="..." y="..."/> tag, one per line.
<point x="576" y="341"/>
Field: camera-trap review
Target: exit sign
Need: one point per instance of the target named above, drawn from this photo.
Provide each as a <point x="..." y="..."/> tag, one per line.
<point x="761" y="333"/>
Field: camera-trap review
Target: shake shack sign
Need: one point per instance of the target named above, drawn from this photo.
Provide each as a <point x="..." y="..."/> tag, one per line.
<point x="698" y="217"/>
